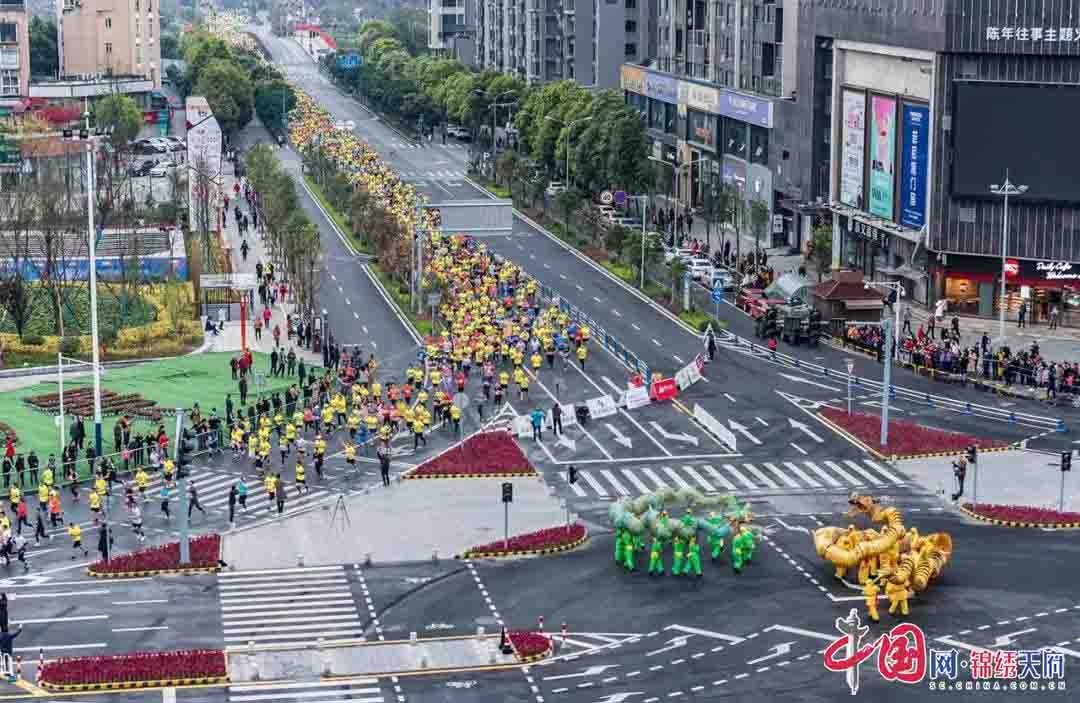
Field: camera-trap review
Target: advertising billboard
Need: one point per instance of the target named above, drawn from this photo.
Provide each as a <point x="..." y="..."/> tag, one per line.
<point x="882" y="155"/>
<point x="993" y="131"/>
<point x="852" y="148"/>
<point x="913" y="165"/>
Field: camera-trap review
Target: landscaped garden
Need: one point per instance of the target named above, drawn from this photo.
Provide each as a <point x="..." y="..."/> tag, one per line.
<point x="135" y="670"/>
<point x="136" y="390"/>
<point x="546" y="541"/>
<point x="205" y="552"/>
<point x="485" y="455"/>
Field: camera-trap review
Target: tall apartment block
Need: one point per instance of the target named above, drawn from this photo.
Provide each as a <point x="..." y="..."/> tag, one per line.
<point x="717" y="99"/>
<point x="451" y="28"/>
<point x="550" y="40"/>
<point x="14" y="54"/>
<point x="110" y="37"/>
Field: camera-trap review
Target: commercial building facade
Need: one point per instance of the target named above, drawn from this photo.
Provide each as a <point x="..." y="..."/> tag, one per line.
<point x="714" y="99"/>
<point x="910" y="113"/>
<point x="110" y="38"/>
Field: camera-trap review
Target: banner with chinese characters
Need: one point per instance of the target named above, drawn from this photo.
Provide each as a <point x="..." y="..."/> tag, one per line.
<point x="853" y="148"/>
<point x="913" y="165"/>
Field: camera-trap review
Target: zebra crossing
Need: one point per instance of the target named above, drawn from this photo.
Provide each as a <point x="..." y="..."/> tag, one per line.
<point x="363" y="690"/>
<point x="213" y="491"/>
<point x="439" y="175"/>
<point x="449" y="145"/>
<point x="288" y="606"/>
<point x="842" y="474"/>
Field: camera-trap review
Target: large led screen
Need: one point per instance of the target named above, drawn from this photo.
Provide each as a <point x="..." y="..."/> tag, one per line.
<point x="1029" y="130"/>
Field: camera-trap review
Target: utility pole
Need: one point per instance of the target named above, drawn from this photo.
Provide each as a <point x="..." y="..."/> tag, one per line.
<point x="91" y="236"/>
<point x="185" y="547"/>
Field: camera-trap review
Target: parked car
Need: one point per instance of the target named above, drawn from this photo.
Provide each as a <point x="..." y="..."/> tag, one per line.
<point x="684" y="254"/>
<point x="141" y="169"/>
<point x="701" y="269"/>
<point x="162" y="169"/>
<point x="458" y="132"/>
<point x="554" y="188"/>
<point x="176" y="144"/>
<point x="722" y="279"/>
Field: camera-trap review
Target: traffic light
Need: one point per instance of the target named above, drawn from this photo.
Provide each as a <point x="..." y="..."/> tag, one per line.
<point x="1066" y="461"/>
<point x="972" y="454"/>
<point x="508" y="492"/>
<point x="185" y="450"/>
<point x="572" y="474"/>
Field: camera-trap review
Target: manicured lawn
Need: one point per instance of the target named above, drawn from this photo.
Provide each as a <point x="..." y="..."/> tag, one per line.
<point x="179" y="382"/>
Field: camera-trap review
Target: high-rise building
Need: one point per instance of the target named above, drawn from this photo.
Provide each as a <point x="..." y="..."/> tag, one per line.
<point x="14" y="53"/>
<point x="451" y="28"/>
<point x="716" y="98"/>
<point x="110" y="37"/>
<point x="551" y="40"/>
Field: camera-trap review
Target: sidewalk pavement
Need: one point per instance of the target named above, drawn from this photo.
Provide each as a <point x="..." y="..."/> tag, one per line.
<point x="229" y="339"/>
<point x="1020" y="477"/>
<point x="779" y="258"/>
<point x="1061" y="344"/>
<point x="366" y="659"/>
<point x="446" y="516"/>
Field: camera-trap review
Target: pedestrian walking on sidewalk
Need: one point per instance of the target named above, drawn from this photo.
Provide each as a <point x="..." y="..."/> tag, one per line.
<point x="244" y="250"/>
<point x="233" y="497"/>
<point x="280" y="496"/>
<point x="556" y="419"/>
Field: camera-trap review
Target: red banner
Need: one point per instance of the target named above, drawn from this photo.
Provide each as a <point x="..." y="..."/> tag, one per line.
<point x="665" y="389"/>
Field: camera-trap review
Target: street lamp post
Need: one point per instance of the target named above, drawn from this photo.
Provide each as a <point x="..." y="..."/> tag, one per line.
<point x="91" y="236"/>
<point x="569" y="127"/>
<point x="1005" y="190"/>
<point x="891" y="336"/>
<point x="850" y="363"/>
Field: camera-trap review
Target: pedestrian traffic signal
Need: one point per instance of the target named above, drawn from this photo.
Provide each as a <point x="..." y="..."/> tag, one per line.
<point x="972" y="453"/>
<point x="1066" y="461"/>
<point x="508" y="492"/>
<point x="572" y="477"/>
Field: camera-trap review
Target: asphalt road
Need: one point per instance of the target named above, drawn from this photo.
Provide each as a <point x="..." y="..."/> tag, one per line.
<point x="755" y="636"/>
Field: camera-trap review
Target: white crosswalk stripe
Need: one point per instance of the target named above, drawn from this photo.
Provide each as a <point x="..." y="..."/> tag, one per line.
<point x="359" y="690"/>
<point x="289" y="606"/>
<point x="734" y="478"/>
<point x="843" y="474"/>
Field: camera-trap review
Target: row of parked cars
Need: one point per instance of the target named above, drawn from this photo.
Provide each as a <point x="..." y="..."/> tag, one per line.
<point x="158" y="145"/>
<point x="701" y="268"/>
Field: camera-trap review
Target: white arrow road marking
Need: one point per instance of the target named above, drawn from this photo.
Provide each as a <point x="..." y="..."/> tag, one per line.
<point x="804" y="633"/>
<point x="742" y="429"/>
<point x="710" y="634"/>
<point x="619" y="436"/>
<point x="656" y="342"/>
<point x="793" y="528"/>
<point x="348" y="302"/>
<point x="673" y="643"/>
<point x="1008" y="639"/>
<point x="356" y="315"/>
<point x="620" y="697"/>
<point x="567" y="442"/>
<point x="682" y="437"/>
<point x="591" y="671"/>
<point x="777" y="650"/>
<point x="801" y="426"/>
<point x="800" y="379"/>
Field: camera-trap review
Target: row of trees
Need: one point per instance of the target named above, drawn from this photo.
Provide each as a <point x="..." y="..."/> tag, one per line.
<point x="609" y="147"/>
<point x="293" y="239"/>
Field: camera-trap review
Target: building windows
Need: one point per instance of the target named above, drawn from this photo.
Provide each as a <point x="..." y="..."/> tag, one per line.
<point x="9" y="33"/>
<point x="759" y="145"/>
<point x="9" y="83"/>
<point x="768" y="59"/>
<point x="631" y="4"/>
<point x="108" y="23"/>
<point x="138" y="55"/>
<point x="631" y="27"/>
<point x="735" y="137"/>
<point x="630" y="50"/>
<point x="108" y="48"/>
<point x="9" y="57"/>
<point x="136" y="5"/>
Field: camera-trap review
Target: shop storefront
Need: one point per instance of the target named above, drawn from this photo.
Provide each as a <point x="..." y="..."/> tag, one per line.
<point x="862" y="246"/>
<point x="970" y="284"/>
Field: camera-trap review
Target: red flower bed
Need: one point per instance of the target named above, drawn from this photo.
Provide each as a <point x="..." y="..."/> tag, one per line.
<point x="905" y="438"/>
<point x="1023" y="513"/>
<point x="529" y="644"/>
<point x="487" y="454"/>
<point x="135" y="667"/>
<point x="550" y="538"/>
<point x="205" y="552"/>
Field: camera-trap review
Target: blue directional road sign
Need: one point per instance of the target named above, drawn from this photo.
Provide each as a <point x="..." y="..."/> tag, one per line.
<point x="718" y="295"/>
<point x="349" y="61"/>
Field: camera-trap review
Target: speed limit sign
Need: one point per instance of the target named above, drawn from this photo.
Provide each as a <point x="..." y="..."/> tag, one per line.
<point x="606" y="197"/>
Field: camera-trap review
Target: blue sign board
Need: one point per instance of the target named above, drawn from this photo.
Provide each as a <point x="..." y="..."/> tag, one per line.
<point x="349" y="61"/>
<point x="718" y="295"/>
<point x="620" y="197"/>
<point x="913" y="165"/>
<point x="746" y="108"/>
<point x="663" y="88"/>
